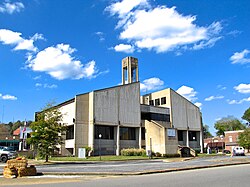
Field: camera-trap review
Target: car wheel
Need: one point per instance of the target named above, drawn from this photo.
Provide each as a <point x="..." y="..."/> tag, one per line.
<point x="4" y="158"/>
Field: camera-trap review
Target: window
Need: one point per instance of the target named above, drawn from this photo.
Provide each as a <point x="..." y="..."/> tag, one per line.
<point x="107" y="132"/>
<point x="156" y="117"/>
<point x="151" y="102"/>
<point x="192" y="136"/>
<point x="70" y="132"/>
<point x="180" y="135"/>
<point x="163" y="101"/>
<point x="127" y="133"/>
<point x="143" y="131"/>
<point x="157" y="102"/>
<point x="230" y="139"/>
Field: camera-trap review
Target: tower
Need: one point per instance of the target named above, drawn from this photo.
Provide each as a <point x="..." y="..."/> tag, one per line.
<point x="129" y="70"/>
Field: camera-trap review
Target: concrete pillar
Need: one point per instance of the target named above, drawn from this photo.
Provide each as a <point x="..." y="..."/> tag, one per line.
<point x="118" y="141"/>
<point x="187" y="143"/>
<point x="201" y="141"/>
<point x="140" y="137"/>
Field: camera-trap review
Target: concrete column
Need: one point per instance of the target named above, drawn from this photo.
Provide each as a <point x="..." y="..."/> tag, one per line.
<point x="201" y="141"/>
<point x="140" y="137"/>
<point x="187" y="143"/>
<point x="137" y="74"/>
<point x="129" y="72"/>
<point x="118" y="141"/>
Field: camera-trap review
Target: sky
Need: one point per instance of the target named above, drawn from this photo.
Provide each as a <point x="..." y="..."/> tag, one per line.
<point x="54" y="50"/>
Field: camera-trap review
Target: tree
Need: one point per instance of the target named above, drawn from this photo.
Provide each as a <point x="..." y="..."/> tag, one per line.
<point x="244" y="139"/>
<point x="206" y="132"/>
<point x="246" y="115"/>
<point x="47" y="131"/>
<point x="229" y="123"/>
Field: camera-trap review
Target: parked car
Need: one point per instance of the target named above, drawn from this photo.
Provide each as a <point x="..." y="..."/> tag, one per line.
<point x="238" y="151"/>
<point x="226" y="151"/>
<point x="7" y="153"/>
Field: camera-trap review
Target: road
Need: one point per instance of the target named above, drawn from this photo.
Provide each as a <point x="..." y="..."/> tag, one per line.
<point x="229" y="176"/>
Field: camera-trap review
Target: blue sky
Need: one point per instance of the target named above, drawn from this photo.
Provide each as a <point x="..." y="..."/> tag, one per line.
<point x="53" y="50"/>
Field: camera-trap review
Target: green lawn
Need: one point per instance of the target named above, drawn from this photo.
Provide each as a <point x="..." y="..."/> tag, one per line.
<point x="97" y="158"/>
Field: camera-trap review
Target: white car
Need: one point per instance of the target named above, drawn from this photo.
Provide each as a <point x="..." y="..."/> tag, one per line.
<point x="238" y="151"/>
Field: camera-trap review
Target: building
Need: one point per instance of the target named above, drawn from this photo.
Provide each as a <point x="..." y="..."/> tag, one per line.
<point x="185" y="117"/>
<point x="111" y="119"/>
<point x="231" y="139"/>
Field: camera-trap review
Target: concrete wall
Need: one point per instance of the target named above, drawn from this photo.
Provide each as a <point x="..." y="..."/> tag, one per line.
<point x="118" y="105"/>
<point x="171" y="143"/>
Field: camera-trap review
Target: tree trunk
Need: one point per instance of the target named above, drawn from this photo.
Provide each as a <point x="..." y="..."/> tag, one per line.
<point x="47" y="158"/>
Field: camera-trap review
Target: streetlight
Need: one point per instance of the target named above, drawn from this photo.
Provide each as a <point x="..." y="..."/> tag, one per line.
<point x="100" y="137"/>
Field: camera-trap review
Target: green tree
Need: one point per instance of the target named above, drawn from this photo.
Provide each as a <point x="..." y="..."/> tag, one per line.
<point x="229" y="123"/>
<point x="206" y="132"/>
<point x="244" y="139"/>
<point x="246" y="115"/>
<point x="47" y="131"/>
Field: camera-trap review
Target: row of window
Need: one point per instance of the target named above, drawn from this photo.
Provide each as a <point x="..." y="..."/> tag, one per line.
<point x="157" y="102"/>
<point x="192" y="135"/>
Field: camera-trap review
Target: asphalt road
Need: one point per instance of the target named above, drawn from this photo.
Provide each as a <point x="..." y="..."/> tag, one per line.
<point x="133" y="167"/>
<point x="229" y="176"/>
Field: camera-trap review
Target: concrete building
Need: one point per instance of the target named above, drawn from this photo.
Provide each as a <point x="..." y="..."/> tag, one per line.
<point x="111" y="119"/>
<point x="185" y="117"/>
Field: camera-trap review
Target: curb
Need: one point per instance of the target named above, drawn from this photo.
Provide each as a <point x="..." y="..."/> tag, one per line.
<point x="144" y="172"/>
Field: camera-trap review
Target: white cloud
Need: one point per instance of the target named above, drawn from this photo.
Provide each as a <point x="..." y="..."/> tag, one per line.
<point x="243" y="88"/>
<point x="231" y="102"/>
<point x="10" y="8"/>
<point x="161" y="28"/>
<point x="198" y="104"/>
<point x="242" y="57"/>
<point x="124" y="48"/>
<point x="100" y="35"/>
<point x="59" y="63"/>
<point x="8" y="37"/>
<point x="51" y="86"/>
<point x="213" y="98"/>
<point x="8" y="97"/>
<point x="221" y="87"/>
<point x="151" y="84"/>
<point x="187" y="92"/>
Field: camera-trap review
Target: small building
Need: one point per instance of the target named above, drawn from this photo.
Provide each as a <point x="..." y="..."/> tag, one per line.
<point x="231" y="139"/>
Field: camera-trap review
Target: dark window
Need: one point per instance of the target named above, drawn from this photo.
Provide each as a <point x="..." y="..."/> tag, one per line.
<point x="180" y="135"/>
<point x="107" y="132"/>
<point x="127" y="133"/>
<point x="157" y="102"/>
<point x="163" y="101"/>
<point x="151" y="102"/>
<point x="70" y="132"/>
<point x="156" y="117"/>
<point x="192" y="136"/>
<point x="143" y="131"/>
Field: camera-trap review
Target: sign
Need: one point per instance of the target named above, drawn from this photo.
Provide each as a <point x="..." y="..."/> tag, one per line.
<point x="171" y="132"/>
<point x="81" y="153"/>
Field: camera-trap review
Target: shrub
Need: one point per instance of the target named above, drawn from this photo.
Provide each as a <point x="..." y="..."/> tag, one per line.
<point x="171" y="155"/>
<point x="87" y="150"/>
<point x="133" y="152"/>
<point x="157" y="154"/>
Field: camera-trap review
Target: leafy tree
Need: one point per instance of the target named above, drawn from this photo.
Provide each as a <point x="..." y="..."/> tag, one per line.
<point x="206" y="132"/>
<point x="246" y="115"/>
<point x="47" y="131"/>
<point x="229" y="123"/>
<point x="244" y="139"/>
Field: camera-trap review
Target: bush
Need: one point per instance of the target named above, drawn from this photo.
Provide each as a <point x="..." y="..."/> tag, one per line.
<point x="133" y="152"/>
<point x="171" y="155"/>
<point x="87" y="150"/>
<point x="157" y="154"/>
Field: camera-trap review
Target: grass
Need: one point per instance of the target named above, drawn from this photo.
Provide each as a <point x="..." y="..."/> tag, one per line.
<point x="207" y="155"/>
<point x="97" y="158"/>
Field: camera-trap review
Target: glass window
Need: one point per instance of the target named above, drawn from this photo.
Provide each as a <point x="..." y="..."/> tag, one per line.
<point x="143" y="131"/>
<point x="127" y="133"/>
<point x="157" y="102"/>
<point x="107" y="132"/>
<point x="192" y="136"/>
<point x="163" y="101"/>
<point x="151" y="102"/>
<point x="70" y="132"/>
<point x="180" y="135"/>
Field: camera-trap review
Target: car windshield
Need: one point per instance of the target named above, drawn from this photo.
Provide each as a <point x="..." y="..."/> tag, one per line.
<point x="8" y="149"/>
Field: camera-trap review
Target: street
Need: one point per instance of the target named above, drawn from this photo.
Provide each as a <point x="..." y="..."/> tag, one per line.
<point x="237" y="175"/>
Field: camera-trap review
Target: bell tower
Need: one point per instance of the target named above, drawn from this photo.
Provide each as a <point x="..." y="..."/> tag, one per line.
<point x="129" y="70"/>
